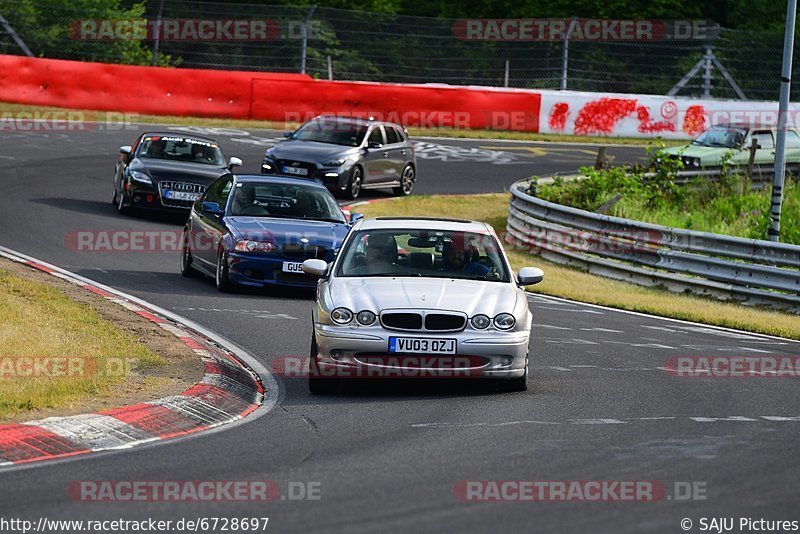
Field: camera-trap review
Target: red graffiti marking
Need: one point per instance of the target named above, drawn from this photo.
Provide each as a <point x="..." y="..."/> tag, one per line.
<point x="646" y="125"/>
<point x="601" y="116"/>
<point x="695" y="120"/>
<point x="558" y="116"/>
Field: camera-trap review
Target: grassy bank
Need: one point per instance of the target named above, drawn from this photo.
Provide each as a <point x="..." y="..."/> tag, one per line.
<point x="55" y="351"/>
<point x="7" y="111"/>
<point x="573" y="284"/>
<point x="728" y="206"/>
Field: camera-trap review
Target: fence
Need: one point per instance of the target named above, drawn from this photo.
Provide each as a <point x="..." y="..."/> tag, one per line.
<point x="748" y="270"/>
<point x="354" y="45"/>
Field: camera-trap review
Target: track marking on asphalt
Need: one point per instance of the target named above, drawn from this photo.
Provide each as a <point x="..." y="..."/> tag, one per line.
<point x="551" y="326"/>
<point x="677" y="323"/>
<point x="569" y="310"/>
<point x="643" y="345"/>
<point x="574" y="341"/>
<point x="260" y="314"/>
<point x="620" y="421"/>
<point x="544" y="150"/>
<point x="598" y="329"/>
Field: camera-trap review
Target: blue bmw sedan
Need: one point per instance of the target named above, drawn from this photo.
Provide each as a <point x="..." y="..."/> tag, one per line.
<point x="256" y="231"/>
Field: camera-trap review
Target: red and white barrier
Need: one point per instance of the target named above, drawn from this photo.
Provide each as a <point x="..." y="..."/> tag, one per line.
<point x="297" y="97"/>
<point x="608" y="114"/>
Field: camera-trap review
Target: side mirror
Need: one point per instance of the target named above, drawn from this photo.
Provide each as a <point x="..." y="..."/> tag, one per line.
<point x="315" y="267"/>
<point x="212" y="208"/>
<point x="355" y="217"/>
<point x="234" y="162"/>
<point x="287" y="134"/>
<point x="374" y="145"/>
<point x="528" y="276"/>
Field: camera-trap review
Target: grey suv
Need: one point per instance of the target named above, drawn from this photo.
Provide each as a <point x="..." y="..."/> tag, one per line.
<point x="347" y="155"/>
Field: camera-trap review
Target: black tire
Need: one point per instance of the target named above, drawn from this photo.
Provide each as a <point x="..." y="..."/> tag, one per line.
<point x="514" y="384"/>
<point x="186" y="259"/>
<point x="121" y="207"/>
<point x="407" y="180"/>
<point x="114" y="196"/>
<point x="354" y="183"/>
<point x="319" y="385"/>
<point x="221" y="279"/>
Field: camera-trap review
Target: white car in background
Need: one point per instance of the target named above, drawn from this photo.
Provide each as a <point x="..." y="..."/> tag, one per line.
<point x="420" y="297"/>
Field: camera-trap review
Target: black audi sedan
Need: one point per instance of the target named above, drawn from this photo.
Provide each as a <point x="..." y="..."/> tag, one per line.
<point x="167" y="171"/>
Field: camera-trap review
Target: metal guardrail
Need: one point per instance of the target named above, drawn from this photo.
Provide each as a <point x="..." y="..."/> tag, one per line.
<point x="752" y="271"/>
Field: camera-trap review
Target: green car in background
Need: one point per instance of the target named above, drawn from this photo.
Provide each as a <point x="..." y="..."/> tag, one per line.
<point x="709" y="148"/>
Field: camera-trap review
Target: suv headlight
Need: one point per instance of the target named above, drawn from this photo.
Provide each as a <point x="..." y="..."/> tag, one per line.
<point x="480" y="322"/>
<point x="334" y="162"/>
<point x="505" y="321"/>
<point x="253" y="246"/>
<point x="341" y="316"/>
<point x="141" y="177"/>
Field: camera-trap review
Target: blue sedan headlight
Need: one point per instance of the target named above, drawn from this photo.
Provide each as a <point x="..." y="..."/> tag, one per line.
<point x="246" y="245"/>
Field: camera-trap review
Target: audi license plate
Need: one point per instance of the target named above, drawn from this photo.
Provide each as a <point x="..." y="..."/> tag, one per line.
<point x="299" y="171"/>
<point x="293" y="267"/>
<point x="181" y="195"/>
<point x="422" y="345"/>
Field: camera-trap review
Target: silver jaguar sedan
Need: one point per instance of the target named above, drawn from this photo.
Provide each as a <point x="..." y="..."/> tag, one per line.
<point x="414" y="297"/>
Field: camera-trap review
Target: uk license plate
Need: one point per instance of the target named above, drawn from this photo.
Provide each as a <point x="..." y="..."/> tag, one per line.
<point x="293" y="267"/>
<point x="299" y="171"/>
<point x="421" y="345"/>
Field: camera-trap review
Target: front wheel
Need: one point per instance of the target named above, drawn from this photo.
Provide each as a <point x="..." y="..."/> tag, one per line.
<point x="318" y="384"/>
<point x="514" y="384"/>
<point x="121" y="207"/>
<point x="355" y="182"/>
<point x="186" y="258"/>
<point x="221" y="278"/>
<point x="406" y="182"/>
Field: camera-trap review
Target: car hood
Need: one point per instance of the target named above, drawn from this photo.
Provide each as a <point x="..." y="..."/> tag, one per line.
<point x="310" y="151"/>
<point x="697" y="151"/>
<point x="377" y="294"/>
<point x="178" y="170"/>
<point x="288" y="231"/>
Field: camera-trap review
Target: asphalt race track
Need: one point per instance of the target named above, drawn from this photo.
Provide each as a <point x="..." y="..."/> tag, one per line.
<point x="599" y="406"/>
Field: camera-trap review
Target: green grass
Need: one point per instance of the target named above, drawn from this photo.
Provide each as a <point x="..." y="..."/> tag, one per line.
<point x="728" y="207"/>
<point x="573" y="284"/>
<point x="91" y="115"/>
<point x="39" y="323"/>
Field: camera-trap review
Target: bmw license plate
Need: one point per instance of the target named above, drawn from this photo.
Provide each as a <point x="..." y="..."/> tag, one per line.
<point x="293" y="267"/>
<point x="181" y="195"/>
<point x="422" y="345"/>
<point x="299" y="171"/>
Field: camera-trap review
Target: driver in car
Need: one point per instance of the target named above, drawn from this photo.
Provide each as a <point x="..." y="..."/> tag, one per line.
<point x="458" y="256"/>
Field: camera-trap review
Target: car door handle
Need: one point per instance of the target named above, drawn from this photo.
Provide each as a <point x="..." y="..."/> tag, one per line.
<point x="386" y="154"/>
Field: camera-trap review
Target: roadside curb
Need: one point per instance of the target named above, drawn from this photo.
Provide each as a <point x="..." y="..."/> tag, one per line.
<point x="229" y="391"/>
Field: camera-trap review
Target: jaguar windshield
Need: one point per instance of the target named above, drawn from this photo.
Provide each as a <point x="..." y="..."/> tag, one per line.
<point x="423" y="253"/>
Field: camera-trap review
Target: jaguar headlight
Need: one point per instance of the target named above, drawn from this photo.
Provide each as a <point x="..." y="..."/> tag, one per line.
<point x="480" y="322"/>
<point x="341" y="316"/>
<point x="365" y="318"/>
<point x="505" y="321"/>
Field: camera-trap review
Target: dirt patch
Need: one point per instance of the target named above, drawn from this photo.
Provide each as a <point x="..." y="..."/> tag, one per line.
<point x="181" y="370"/>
